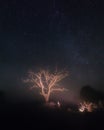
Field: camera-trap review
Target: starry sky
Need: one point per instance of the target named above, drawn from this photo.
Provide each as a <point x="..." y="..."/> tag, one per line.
<point x="48" y="33"/>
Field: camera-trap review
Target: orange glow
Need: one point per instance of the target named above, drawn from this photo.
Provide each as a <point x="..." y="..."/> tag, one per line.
<point x="86" y="106"/>
<point x="82" y="109"/>
<point x="58" y="104"/>
<point x="46" y="82"/>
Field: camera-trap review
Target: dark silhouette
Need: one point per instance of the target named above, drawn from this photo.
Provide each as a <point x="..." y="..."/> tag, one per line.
<point x="89" y="94"/>
<point x="2" y="96"/>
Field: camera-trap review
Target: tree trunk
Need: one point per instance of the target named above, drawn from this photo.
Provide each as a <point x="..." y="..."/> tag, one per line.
<point x="47" y="98"/>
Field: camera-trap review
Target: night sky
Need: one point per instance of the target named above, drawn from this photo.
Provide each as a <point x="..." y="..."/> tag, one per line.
<point x="48" y="33"/>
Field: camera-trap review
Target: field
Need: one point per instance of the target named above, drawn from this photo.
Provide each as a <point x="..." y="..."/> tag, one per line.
<point x="35" y="116"/>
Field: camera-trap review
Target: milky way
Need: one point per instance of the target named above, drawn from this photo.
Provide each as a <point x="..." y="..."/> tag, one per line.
<point x="49" y="33"/>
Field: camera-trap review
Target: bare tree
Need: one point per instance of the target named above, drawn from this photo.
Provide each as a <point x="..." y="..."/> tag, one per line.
<point x="46" y="81"/>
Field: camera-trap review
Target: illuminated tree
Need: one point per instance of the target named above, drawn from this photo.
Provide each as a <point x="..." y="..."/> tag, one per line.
<point x="87" y="106"/>
<point x="91" y="98"/>
<point x="46" y="82"/>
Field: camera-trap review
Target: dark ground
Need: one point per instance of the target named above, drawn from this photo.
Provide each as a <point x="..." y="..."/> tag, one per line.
<point x="33" y="116"/>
